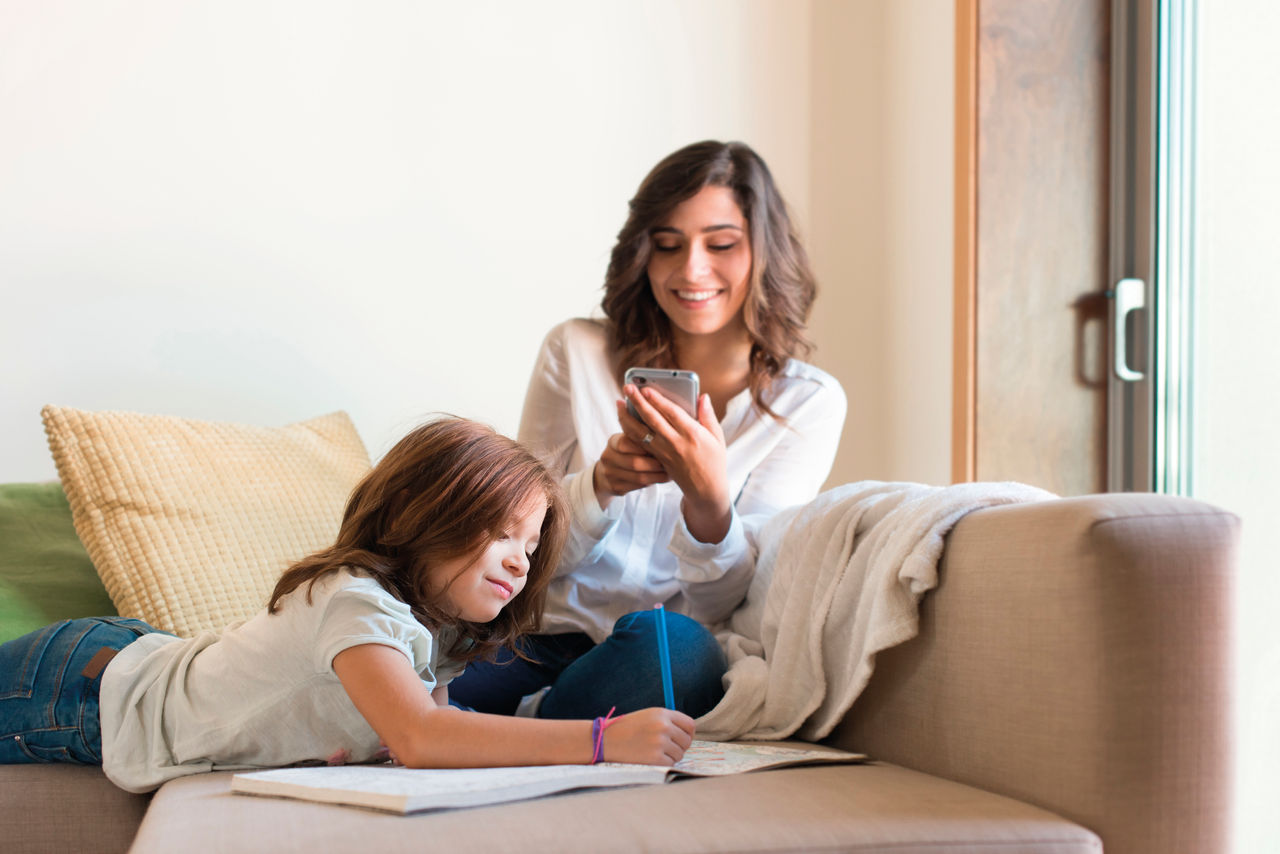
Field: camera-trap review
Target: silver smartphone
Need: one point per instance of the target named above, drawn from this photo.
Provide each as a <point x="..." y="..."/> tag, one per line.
<point x="680" y="387"/>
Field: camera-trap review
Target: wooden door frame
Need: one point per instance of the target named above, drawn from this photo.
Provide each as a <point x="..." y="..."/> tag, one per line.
<point x="964" y="340"/>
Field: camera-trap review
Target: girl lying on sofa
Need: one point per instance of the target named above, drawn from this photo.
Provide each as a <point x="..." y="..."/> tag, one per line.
<point x="444" y="555"/>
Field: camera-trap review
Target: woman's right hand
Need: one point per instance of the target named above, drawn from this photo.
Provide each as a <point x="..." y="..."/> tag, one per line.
<point x="648" y="737"/>
<point x="625" y="466"/>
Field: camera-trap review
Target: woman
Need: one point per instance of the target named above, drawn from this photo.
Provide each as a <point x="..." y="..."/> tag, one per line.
<point x="707" y="275"/>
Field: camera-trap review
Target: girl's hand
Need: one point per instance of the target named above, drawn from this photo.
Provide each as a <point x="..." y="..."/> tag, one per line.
<point x="648" y="737"/>
<point x="625" y="466"/>
<point x="691" y="452"/>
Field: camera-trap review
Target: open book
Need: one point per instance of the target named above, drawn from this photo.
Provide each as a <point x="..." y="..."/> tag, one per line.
<point x="394" y="788"/>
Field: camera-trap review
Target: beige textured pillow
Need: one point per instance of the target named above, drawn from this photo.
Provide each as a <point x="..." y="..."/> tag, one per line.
<point x="190" y="523"/>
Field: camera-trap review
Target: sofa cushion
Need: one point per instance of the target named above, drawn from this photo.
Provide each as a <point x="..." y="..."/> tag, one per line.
<point x="865" y="808"/>
<point x="189" y="523"/>
<point x="45" y="572"/>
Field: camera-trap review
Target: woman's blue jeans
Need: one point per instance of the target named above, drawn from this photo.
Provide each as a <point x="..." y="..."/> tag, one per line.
<point x="49" y="684"/>
<point x="588" y="679"/>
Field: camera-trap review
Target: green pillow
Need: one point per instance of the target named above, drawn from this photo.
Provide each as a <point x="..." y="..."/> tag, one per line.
<point x="45" y="573"/>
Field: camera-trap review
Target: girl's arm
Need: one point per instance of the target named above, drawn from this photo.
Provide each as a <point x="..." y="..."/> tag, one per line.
<point x="424" y="733"/>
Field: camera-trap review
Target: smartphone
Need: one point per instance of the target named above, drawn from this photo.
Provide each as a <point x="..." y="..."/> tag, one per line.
<point x="680" y="387"/>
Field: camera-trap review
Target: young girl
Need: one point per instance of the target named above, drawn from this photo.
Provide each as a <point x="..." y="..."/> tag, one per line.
<point x="444" y="556"/>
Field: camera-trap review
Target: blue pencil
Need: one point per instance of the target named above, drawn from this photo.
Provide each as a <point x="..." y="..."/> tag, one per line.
<point x="664" y="658"/>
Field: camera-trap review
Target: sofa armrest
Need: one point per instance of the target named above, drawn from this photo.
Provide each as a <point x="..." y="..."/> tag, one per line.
<point x="61" y="807"/>
<point x="1075" y="655"/>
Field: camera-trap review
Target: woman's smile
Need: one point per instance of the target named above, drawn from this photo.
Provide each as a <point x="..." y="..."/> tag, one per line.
<point x="693" y="299"/>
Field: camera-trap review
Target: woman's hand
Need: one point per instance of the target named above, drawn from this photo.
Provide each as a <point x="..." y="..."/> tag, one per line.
<point x="624" y="466"/>
<point x="648" y="737"/>
<point x="691" y="452"/>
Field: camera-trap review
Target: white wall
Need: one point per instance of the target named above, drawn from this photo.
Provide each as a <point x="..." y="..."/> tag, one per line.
<point x="261" y="211"/>
<point x="1236" y="394"/>
<point x="881" y="229"/>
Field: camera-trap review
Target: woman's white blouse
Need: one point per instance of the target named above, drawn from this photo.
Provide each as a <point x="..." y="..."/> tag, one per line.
<point x="637" y="552"/>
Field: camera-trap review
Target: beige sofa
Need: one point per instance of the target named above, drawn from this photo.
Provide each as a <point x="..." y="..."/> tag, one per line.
<point x="1069" y="691"/>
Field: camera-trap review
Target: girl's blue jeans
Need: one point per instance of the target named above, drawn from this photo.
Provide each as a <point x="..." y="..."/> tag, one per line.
<point x="588" y="679"/>
<point x="49" y="683"/>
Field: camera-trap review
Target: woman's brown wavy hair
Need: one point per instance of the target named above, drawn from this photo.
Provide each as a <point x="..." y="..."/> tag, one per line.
<point x="446" y="490"/>
<point x="781" y="288"/>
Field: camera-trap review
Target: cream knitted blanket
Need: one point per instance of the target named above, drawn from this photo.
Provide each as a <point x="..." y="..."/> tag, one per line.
<point x="837" y="580"/>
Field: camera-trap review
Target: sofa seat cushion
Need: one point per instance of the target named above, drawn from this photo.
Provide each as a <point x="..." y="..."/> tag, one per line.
<point x="863" y="808"/>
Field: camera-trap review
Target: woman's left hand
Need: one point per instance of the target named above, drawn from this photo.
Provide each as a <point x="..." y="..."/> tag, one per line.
<point x="692" y="452"/>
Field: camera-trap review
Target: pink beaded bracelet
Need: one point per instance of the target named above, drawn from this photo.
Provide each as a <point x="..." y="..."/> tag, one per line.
<point x="598" y="726"/>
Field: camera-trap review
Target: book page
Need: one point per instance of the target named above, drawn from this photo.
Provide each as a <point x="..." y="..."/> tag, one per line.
<point x="715" y="759"/>
<point x="399" y="789"/>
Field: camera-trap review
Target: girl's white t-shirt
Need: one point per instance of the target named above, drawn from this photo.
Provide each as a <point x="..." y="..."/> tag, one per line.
<point x="262" y="693"/>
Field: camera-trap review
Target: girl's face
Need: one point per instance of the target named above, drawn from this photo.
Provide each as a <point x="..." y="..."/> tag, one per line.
<point x="476" y="588"/>
<point x="701" y="263"/>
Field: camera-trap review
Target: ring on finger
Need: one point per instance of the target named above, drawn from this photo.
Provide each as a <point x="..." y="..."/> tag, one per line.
<point x="648" y="437"/>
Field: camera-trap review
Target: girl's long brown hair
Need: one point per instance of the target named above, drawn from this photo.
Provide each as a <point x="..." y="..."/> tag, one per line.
<point x="446" y="490"/>
<point x="782" y="286"/>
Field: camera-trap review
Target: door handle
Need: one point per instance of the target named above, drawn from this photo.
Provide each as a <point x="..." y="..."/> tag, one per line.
<point x="1129" y="295"/>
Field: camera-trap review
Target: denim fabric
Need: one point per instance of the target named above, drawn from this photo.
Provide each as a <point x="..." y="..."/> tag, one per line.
<point x="48" y="709"/>
<point x="587" y="680"/>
